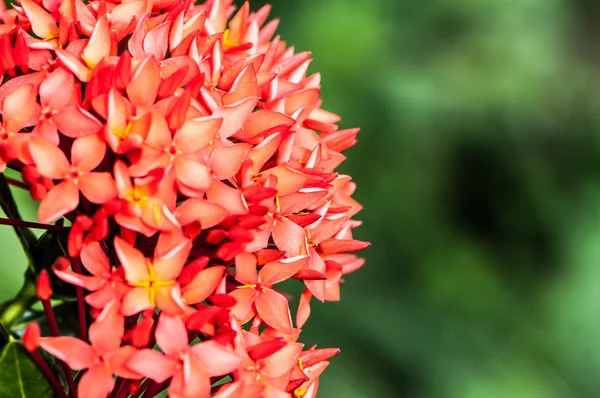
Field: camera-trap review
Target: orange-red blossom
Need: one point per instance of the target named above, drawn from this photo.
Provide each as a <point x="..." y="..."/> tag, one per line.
<point x="187" y="146"/>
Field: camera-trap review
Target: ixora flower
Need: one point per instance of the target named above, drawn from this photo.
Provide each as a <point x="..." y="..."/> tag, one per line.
<point x="186" y="146"/>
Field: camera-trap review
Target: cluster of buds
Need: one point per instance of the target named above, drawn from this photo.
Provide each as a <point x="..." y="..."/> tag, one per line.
<point x="187" y="148"/>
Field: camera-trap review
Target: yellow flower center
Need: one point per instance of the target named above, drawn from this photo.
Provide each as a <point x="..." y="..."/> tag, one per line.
<point x="136" y="198"/>
<point x="89" y="63"/>
<point x="277" y="205"/>
<point x="122" y="134"/>
<point x="152" y="283"/>
<point x="156" y="213"/>
<point x="227" y="43"/>
<point x="246" y="287"/>
<point x="299" y="392"/>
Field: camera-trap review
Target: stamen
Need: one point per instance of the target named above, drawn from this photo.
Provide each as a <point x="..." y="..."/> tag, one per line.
<point x="246" y="287"/>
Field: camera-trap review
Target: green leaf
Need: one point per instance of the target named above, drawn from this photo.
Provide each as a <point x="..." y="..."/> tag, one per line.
<point x="9" y="206"/>
<point x="19" y="376"/>
<point x="64" y="312"/>
<point x="50" y="246"/>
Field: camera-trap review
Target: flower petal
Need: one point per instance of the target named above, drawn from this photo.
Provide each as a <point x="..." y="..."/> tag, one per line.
<point x="19" y="108"/>
<point x="244" y="299"/>
<point x="144" y="84"/>
<point x="193" y="381"/>
<point x="98" y="187"/>
<point x="136" y="301"/>
<point x="266" y="122"/>
<point x="57" y="89"/>
<point x="168" y="299"/>
<point x="74" y="121"/>
<point x="171" y="335"/>
<point x="87" y="152"/>
<point x="288" y="180"/>
<point x="97" y="382"/>
<point x="74" y="352"/>
<point x="72" y="63"/>
<point x="244" y="86"/>
<point x="42" y="23"/>
<point x="152" y="364"/>
<point x="169" y="265"/>
<point x="290" y="238"/>
<point x="60" y="200"/>
<point x="133" y="261"/>
<point x="156" y="41"/>
<point x="207" y="213"/>
<point x="280" y="270"/>
<point x="192" y="173"/>
<point x="234" y="116"/>
<point x="245" y="268"/>
<point x="117" y="362"/>
<point x="230" y="198"/>
<point x="225" y="161"/>
<point x="217" y="359"/>
<point x="50" y="161"/>
<point x="197" y="133"/>
<point x="106" y="332"/>
<point x="282" y="362"/>
<point x="95" y="260"/>
<point x="203" y="284"/>
<point x="99" y="44"/>
<point x="274" y="310"/>
<point x="88" y="282"/>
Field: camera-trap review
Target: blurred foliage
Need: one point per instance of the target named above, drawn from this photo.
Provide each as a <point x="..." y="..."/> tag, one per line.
<point x="479" y="168"/>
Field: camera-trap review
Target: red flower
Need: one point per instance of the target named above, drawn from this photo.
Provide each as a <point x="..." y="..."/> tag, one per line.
<point x="153" y="282"/>
<point x="189" y="367"/>
<point x="103" y="358"/>
<point x="105" y="282"/>
<point x="51" y="162"/>
<point x="186" y="146"/>
<point x="271" y="306"/>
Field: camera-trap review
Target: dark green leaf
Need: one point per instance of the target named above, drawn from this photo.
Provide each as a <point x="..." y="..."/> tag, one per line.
<point x="65" y="314"/>
<point x="19" y="376"/>
<point x="9" y="206"/>
<point x="50" y="246"/>
<point x="4" y="336"/>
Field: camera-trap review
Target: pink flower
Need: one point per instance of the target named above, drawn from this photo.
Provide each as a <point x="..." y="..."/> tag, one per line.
<point x="103" y="358"/>
<point x="153" y="282"/>
<point x="51" y="162"/>
<point x="190" y="367"/>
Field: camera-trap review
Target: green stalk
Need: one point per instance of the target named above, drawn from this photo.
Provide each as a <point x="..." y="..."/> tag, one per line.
<point x="11" y="310"/>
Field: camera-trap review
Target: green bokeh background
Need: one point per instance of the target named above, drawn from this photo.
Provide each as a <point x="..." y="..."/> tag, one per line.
<point x="479" y="169"/>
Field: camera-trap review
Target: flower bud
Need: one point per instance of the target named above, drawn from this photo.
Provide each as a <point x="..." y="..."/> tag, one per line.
<point x="43" y="290"/>
<point x="31" y="337"/>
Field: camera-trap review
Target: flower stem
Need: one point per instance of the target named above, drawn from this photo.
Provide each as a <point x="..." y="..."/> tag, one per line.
<point x="156" y="388"/>
<point x="55" y="332"/>
<point x="51" y="318"/>
<point x="76" y="264"/>
<point x="17" y="183"/>
<point x="25" y="298"/>
<point x="29" y="224"/>
<point x="142" y="388"/>
<point x="43" y="366"/>
<point x="119" y="386"/>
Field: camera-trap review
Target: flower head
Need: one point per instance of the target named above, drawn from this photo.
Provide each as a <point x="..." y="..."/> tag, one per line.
<point x="187" y="146"/>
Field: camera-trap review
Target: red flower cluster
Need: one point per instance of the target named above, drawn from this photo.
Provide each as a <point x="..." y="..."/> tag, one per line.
<point x="188" y="149"/>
